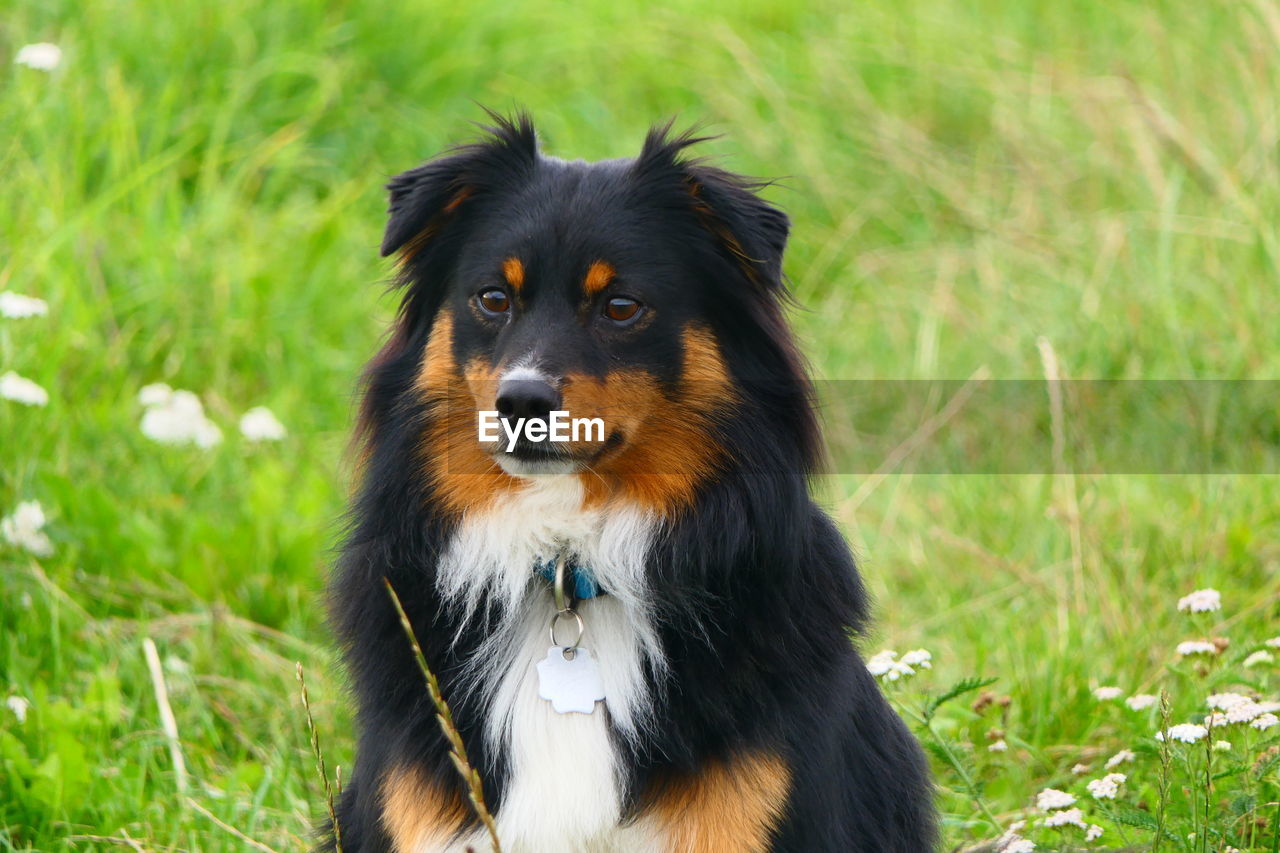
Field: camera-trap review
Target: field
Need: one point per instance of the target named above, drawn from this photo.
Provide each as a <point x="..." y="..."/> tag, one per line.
<point x="1014" y="189"/>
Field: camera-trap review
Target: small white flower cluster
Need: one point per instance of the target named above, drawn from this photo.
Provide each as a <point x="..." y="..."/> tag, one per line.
<point x="888" y="666"/>
<point x="42" y="56"/>
<point x="1106" y="694"/>
<point x="1051" y="798"/>
<point x="260" y="424"/>
<point x="1258" y="658"/>
<point x="1273" y="643"/>
<point x="1107" y="787"/>
<point x="1066" y="817"/>
<point x="19" y="706"/>
<point x="177" y="417"/>
<point x="1141" y="701"/>
<point x="999" y="746"/>
<point x="25" y="529"/>
<point x="1012" y="842"/>
<point x="19" y="389"/>
<point x="1124" y="756"/>
<point x="1196" y="647"/>
<point x="1062" y="810"/>
<point x="1201" y="601"/>
<point x="16" y="306"/>
<point x="1245" y="710"/>
<point x="1184" y="732"/>
<point x="1226" y="701"/>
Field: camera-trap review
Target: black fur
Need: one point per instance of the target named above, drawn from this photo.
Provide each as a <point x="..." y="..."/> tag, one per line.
<point x="758" y="593"/>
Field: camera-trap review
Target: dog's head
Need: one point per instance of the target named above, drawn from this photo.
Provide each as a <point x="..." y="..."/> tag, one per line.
<point x="641" y="298"/>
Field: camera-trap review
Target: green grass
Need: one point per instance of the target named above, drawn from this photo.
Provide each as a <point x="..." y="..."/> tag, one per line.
<point x="197" y="194"/>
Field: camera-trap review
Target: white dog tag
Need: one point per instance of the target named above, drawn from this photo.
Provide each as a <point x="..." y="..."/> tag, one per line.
<point x="570" y="685"/>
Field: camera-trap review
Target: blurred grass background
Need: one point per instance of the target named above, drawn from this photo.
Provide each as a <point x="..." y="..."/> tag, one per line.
<point x="197" y="192"/>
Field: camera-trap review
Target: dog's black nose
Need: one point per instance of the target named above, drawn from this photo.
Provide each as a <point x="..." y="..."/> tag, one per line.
<point x="527" y="398"/>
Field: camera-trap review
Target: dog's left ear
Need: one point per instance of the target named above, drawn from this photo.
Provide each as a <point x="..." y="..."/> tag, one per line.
<point x="752" y="231"/>
<point x="424" y="199"/>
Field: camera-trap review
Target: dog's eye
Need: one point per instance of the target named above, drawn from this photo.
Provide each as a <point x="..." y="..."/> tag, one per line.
<point x="494" y="301"/>
<point x="620" y="309"/>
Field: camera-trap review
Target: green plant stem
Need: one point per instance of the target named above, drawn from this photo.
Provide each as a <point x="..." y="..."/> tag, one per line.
<point x="971" y="786"/>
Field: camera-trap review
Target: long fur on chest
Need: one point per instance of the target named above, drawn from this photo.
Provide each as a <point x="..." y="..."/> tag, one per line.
<point x="565" y="779"/>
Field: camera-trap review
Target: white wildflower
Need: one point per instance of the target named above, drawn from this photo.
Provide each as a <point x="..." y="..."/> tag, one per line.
<point x="41" y="56"/>
<point x="1122" y="757"/>
<point x="1197" y="647"/>
<point x="1226" y="701"/>
<point x="1185" y="732"/>
<point x="1201" y="601"/>
<point x="1222" y="746"/>
<point x="1066" y="817"/>
<point x="259" y="424"/>
<point x="1012" y="842"/>
<point x="15" y="306"/>
<point x="1106" y="694"/>
<point x="1052" y="798"/>
<point x="1141" y="701"/>
<point x="1244" y="712"/>
<point x="20" y="390"/>
<point x="879" y="663"/>
<point x="1273" y="643"/>
<point x="18" y="705"/>
<point x="1093" y="833"/>
<point x="998" y="746"/>
<point x="1265" y="722"/>
<point x="917" y="657"/>
<point x="1217" y="720"/>
<point x="886" y="665"/>
<point x="24" y="528"/>
<point x="176" y="418"/>
<point x="1258" y="658"/>
<point x="1107" y="787"/>
<point x="1080" y="769"/>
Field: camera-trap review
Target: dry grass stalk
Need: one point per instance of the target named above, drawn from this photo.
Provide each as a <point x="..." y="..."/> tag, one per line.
<point x="319" y="754"/>
<point x="458" y="751"/>
<point x="228" y="828"/>
<point x="167" y="721"/>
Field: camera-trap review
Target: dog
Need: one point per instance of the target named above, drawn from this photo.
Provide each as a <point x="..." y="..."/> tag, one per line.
<point x="699" y="690"/>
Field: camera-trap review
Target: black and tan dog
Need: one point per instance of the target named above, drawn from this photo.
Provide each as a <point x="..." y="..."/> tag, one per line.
<point x="718" y="601"/>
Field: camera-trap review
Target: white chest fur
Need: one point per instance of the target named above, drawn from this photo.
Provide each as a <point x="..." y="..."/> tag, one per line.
<point x="564" y="789"/>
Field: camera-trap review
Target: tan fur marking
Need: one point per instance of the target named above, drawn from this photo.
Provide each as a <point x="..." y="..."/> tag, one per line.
<point x="513" y="272"/>
<point x="463" y="476"/>
<point x="417" y="814"/>
<point x="667" y="449"/>
<point x="599" y="274"/>
<point x="728" y="807"/>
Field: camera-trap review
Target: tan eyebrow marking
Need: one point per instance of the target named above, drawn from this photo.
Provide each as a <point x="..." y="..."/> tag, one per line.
<point x="599" y="274"/>
<point x="513" y="272"/>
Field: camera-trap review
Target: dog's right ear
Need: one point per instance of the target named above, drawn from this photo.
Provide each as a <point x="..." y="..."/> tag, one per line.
<point x="425" y="198"/>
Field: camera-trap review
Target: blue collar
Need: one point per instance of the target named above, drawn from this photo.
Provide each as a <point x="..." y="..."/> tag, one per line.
<point x="581" y="580"/>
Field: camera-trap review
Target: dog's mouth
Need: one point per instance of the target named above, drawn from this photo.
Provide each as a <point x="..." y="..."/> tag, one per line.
<point x="526" y="458"/>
